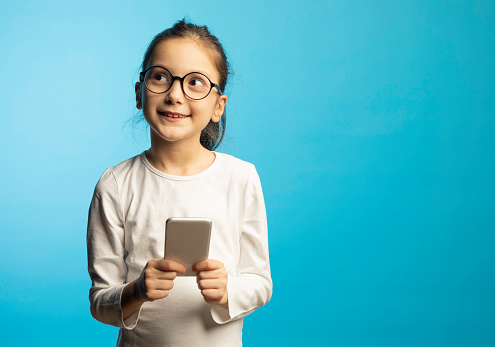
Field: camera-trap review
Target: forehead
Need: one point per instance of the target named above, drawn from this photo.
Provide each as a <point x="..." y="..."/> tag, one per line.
<point x="182" y="56"/>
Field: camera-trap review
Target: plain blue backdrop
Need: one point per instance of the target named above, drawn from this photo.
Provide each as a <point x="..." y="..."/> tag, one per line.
<point x="370" y="123"/>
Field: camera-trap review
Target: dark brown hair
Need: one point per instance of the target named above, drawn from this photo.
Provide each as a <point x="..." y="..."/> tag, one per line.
<point x="213" y="133"/>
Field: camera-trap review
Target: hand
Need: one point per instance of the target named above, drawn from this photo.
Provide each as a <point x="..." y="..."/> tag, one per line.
<point x="155" y="282"/>
<point x="211" y="277"/>
<point x="157" y="279"/>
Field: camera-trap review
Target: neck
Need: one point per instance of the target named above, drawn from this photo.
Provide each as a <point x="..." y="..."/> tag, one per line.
<point x="180" y="158"/>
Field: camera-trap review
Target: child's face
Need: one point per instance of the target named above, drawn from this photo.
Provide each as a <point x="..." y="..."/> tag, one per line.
<point x="180" y="57"/>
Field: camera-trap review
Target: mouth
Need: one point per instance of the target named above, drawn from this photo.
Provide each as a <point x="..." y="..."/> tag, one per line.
<point x="172" y="115"/>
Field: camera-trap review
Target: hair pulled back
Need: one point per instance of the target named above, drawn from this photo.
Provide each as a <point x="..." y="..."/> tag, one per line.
<point x="213" y="133"/>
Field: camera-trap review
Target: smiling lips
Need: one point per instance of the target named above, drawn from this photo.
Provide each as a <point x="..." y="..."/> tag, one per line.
<point x="172" y="115"/>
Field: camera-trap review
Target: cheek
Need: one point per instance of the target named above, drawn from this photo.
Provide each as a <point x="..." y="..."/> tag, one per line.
<point x="147" y="108"/>
<point x="149" y="101"/>
<point x="145" y="97"/>
<point x="205" y="108"/>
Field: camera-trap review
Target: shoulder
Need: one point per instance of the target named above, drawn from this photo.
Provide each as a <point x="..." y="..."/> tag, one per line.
<point x="112" y="177"/>
<point x="235" y="164"/>
<point x="127" y="166"/>
<point x="239" y="170"/>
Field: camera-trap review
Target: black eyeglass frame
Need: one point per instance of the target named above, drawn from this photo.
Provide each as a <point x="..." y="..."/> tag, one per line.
<point x="181" y="79"/>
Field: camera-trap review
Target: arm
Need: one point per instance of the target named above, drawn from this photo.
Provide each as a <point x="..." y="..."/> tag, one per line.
<point x="112" y="302"/>
<point x="131" y="300"/>
<point x="251" y="287"/>
<point x="105" y="242"/>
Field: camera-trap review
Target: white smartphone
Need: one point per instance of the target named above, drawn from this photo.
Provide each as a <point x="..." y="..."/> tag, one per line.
<point x="187" y="241"/>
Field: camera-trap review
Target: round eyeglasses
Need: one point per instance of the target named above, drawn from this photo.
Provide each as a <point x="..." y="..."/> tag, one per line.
<point x="195" y="85"/>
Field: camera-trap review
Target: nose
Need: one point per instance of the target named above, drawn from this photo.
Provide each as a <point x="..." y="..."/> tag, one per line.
<point x="175" y="93"/>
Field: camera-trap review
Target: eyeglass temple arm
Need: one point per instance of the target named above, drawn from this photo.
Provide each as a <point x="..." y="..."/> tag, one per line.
<point x="218" y="88"/>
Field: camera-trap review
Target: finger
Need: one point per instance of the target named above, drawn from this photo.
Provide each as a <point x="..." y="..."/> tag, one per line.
<point x="212" y="284"/>
<point x="160" y="274"/>
<point x="208" y="264"/>
<point x="156" y="294"/>
<point x="212" y="294"/>
<point x="218" y="273"/>
<point x="160" y="284"/>
<point x="166" y="275"/>
<point x="164" y="285"/>
<point x="154" y="274"/>
<point x="169" y="265"/>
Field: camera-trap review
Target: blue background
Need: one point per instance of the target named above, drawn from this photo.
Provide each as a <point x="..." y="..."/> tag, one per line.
<point x="370" y="123"/>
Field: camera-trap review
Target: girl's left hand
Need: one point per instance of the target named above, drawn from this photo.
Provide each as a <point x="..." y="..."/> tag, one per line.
<point x="211" y="277"/>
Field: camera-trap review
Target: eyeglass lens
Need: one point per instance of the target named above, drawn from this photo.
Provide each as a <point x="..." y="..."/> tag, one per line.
<point x="194" y="85"/>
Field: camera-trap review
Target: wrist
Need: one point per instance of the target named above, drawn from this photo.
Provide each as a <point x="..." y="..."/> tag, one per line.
<point x="129" y="301"/>
<point x="225" y="300"/>
<point x="139" y="292"/>
<point x="134" y="293"/>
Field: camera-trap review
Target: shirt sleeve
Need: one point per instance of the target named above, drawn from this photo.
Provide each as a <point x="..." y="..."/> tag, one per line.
<point x="106" y="264"/>
<point x="251" y="287"/>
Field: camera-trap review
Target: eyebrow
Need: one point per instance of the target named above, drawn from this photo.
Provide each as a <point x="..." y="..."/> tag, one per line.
<point x="165" y="67"/>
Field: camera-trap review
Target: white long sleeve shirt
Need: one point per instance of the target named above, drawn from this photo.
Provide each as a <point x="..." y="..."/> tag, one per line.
<point x="126" y="228"/>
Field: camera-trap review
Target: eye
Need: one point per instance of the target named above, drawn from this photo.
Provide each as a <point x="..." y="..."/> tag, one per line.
<point x="160" y="77"/>
<point x="197" y="82"/>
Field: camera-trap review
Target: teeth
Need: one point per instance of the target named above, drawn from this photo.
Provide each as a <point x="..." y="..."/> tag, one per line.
<point x="175" y="116"/>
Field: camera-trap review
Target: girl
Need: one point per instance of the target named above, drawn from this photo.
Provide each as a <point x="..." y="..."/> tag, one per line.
<point x="180" y="92"/>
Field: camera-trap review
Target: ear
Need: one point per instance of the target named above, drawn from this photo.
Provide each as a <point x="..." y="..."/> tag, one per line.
<point x="137" y="89"/>
<point x="219" y="108"/>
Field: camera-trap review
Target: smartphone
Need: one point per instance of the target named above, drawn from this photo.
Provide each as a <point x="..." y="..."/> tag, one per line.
<point x="187" y="241"/>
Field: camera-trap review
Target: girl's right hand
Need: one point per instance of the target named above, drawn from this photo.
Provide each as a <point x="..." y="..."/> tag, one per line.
<point x="157" y="279"/>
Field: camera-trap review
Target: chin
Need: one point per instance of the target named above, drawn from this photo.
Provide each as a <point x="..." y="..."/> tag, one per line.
<point x="172" y="136"/>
